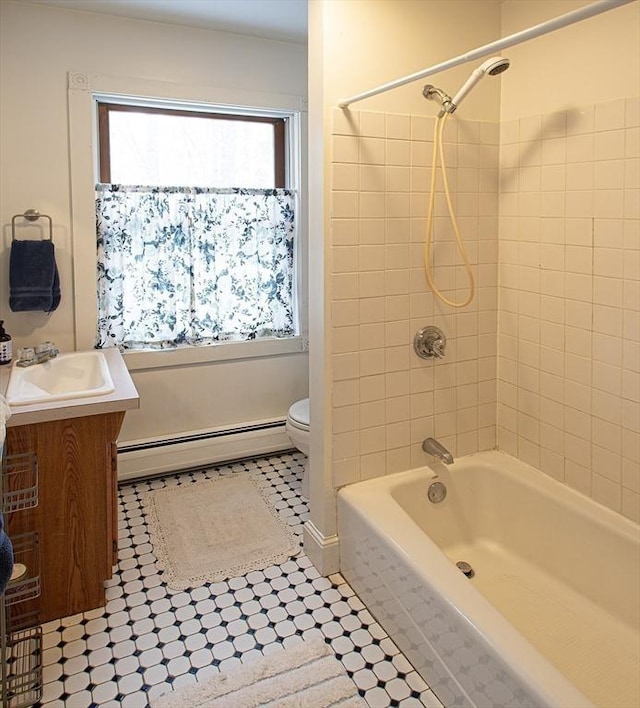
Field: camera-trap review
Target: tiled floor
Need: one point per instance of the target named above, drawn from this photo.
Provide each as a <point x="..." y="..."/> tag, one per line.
<point x="151" y="639"/>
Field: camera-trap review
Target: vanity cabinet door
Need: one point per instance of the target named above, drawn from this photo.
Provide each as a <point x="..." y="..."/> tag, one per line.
<point x="75" y="516"/>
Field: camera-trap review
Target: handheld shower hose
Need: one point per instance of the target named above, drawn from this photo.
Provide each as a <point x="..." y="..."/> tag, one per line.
<point x="438" y="151"/>
<point x="491" y="67"/>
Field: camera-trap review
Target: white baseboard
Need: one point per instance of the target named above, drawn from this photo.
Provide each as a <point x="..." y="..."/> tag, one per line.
<point x="323" y="551"/>
<point x="138" y="459"/>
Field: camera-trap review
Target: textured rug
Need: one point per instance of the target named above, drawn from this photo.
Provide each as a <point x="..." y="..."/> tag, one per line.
<point x="306" y="675"/>
<point x="215" y="529"/>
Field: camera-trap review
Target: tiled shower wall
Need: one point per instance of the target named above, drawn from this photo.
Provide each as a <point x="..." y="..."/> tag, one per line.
<point x="569" y="312"/>
<point x="568" y="388"/>
<point x="386" y="399"/>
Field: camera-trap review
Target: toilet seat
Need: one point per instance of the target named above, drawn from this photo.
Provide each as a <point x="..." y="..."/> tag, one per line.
<point x="299" y="415"/>
<point x="297" y="428"/>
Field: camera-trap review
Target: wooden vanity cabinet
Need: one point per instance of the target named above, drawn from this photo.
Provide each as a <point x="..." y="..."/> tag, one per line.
<point x="76" y="517"/>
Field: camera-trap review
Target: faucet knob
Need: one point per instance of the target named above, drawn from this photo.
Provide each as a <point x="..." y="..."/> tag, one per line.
<point x="437" y="347"/>
<point x="430" y="343"/>
<point x="26" y="354"/>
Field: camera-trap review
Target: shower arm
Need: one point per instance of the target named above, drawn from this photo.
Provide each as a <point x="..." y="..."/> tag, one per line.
<point x="569" y="18"/>
<point x="431" y="92"/>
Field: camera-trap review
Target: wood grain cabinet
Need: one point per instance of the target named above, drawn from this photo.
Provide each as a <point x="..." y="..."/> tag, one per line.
<point x="76" y="517"/>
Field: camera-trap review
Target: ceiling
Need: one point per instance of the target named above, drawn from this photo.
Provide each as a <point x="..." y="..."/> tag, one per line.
<point x="284" y="20"/>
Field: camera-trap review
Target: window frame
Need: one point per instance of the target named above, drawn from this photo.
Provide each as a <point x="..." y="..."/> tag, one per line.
<point x="84" y="90"/>
<point x="105" y="108"/>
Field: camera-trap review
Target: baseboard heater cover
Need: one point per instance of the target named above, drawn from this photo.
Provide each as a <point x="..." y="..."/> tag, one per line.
<point x="138" y="459"/>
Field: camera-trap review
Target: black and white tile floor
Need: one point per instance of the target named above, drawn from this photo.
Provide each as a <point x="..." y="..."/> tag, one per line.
<point x="150" y="639"/>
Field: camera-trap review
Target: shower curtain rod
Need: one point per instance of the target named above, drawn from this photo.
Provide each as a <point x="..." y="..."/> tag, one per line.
<point x="536" y="31"/>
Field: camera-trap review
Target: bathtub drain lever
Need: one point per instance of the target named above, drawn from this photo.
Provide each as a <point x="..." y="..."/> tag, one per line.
<point x="466" y="568"/>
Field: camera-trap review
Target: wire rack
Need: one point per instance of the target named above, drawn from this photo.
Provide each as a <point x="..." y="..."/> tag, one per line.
<point x="20" y="631"/>
<point x="18" y="482"/>
<point x="22" y="660"/>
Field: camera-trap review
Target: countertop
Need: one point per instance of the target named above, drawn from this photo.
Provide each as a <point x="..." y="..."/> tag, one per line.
<point x="125" y="397"/>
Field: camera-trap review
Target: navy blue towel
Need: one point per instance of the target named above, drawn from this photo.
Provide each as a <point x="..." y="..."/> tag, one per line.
<point x="6" y="558"/>
<point x="34" y="284"/>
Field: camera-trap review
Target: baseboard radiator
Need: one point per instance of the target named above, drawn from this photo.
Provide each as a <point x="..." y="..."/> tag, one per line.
<point x="145" y="458"/>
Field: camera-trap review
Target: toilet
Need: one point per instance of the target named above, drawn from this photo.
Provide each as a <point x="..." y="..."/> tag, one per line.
<point x="297" y="428"/>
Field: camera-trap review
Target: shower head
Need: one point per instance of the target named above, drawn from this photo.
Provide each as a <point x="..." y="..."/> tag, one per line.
<point x="493" y="67"/>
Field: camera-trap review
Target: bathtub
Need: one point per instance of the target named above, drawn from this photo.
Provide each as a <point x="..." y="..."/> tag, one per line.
<point x="549" y="618"/>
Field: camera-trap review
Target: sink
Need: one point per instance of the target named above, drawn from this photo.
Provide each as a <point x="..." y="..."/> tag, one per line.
<point x="73" y="375"/>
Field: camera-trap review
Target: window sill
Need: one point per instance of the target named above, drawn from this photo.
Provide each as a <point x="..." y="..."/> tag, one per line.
<point x="225" y="351"/>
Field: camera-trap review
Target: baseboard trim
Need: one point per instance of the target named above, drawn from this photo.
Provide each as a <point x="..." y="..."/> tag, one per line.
<point x="138" y="459"/>
<point x="323" y="551"/>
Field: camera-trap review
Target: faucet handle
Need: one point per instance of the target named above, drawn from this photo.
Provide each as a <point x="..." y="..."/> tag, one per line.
<point x="430" y="343"/>
<point x="437" y="348"/>
<point x="26" y="354"/>
<point x="46" y="348"/>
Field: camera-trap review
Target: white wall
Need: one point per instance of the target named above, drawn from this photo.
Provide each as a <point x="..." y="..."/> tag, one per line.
<point x="323" y="507"/>
<point x="592" y="61"/>
<point x="39" y="45"/>
<point x="367" y="44"/>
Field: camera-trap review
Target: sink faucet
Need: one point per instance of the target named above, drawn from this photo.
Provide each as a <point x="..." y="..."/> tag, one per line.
<point x="37" y="355"/>
<point x="433" y="447"/>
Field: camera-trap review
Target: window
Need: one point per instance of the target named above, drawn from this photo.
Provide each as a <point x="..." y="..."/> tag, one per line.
<point x="195" y="227"/>
<point x="160" y="147"/>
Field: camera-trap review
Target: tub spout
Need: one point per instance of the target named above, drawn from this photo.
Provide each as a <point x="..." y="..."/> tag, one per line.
<point x="433" y="447"/>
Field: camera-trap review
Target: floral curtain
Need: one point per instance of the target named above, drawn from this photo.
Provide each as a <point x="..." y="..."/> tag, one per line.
<point x="193" y="265"/>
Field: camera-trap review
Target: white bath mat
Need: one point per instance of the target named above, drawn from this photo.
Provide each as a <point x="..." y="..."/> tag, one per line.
<point x="306" y="675"/>
<point x="215" y="529"/>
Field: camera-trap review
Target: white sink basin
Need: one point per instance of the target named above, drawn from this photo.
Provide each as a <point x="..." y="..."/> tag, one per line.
<point x="73" y="375"/>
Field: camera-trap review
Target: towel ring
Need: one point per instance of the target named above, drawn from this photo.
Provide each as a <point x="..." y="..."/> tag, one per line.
<point x="30" y="215"/>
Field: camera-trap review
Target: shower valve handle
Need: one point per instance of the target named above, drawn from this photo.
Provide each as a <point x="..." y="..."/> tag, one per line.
<point x="430" y="343"/>
<point x="437" y="347"/>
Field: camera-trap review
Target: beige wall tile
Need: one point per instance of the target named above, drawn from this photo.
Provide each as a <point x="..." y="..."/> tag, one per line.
<point x="372" y="178"/>
<point x="373" y="465"/>
<point x="399" y="126"/>
<point x="585" y="247"/>
<point x="345" y="149"/>
<point x="346" y="471"/>
<point x="372" y="124"/>
<point x="630" y="505"/>
<point x="555" y="379"/>
<point x="345" y="122"/>
<point x="581" y="120"/>
<point x="372" y="151"/>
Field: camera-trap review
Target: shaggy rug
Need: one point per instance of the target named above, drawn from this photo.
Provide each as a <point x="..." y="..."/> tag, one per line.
<point x="306" y="675"/>
<point x="215" y="529"/>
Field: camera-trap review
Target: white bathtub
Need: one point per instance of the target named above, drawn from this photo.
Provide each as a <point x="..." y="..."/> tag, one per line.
<point x="550" y="618"/>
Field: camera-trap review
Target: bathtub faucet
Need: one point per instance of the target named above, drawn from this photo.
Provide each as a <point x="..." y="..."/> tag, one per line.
<point x="433" y="447"/>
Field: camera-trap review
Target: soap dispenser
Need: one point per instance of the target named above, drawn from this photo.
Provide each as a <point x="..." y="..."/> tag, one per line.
<point x="5" y="345"/>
